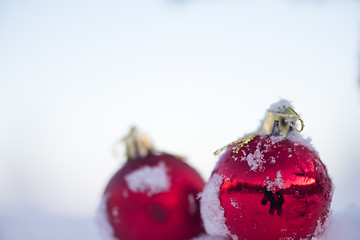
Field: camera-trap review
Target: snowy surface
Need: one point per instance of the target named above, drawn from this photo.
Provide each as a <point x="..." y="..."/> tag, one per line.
<point x="255" y="160"/>
<point x="36" y="225"/>
<point x="280" y="106"/>
<point x="341" y="225"/>
<point x="299" y="139"/>
<point x="276" y="184"/>
<point x="211" y="211"/>
<point x="152" y="180"/>
<point x="102" y="220"/>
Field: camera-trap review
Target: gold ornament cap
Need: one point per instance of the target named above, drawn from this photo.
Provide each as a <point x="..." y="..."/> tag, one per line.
<point x="137" y="144"/>
<point x="280" y="120"/>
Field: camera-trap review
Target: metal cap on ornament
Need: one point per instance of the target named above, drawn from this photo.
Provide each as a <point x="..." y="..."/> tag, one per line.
<point x="137" y="144"/>
<point x="281" y="123"/>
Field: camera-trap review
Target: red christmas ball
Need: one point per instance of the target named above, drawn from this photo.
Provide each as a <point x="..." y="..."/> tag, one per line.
<point x="153" y="196"/>
<point x="268" y="186"/>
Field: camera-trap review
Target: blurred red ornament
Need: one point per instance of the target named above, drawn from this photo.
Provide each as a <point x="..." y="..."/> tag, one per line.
<point x="153" y="196"/>
<point x="270" y="185"/>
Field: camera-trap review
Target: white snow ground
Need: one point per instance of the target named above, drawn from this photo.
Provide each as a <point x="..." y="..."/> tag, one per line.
<point x="40" y="226"/>
<point x="342" y="225"/>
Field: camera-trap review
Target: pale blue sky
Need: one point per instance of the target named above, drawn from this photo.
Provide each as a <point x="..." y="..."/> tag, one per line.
<point x="194" y="75"/>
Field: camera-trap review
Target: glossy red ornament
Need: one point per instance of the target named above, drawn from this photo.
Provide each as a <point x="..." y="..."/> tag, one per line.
<point x="154" y="196"/>
<point x="269" y="187"/>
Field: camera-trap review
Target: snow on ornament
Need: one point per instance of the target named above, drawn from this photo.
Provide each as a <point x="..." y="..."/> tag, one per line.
<point x="153" y="196"/>
<point x="268" y="185"/>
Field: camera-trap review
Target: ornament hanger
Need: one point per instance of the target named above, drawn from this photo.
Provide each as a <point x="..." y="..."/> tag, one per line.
<point x="276" y="123"/>
<point x="137" y="144"/>
<point x="298" y="117"/>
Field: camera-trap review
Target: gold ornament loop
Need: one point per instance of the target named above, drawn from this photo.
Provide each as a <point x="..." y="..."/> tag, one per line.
<point x="241" y="141"/>
<point x="298" y="117"/>
<point x="246" y="140"/>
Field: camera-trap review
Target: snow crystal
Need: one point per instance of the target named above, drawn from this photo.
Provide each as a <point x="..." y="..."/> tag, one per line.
<point x="272" y="160"/>
<point x="273" y="140"/>
<point x="234" y="203"/>
<point x="102" y="220"/>
<point x="320" y="228"/>
<point x="255" y="160"/>
<point x="152" y="180"/>
<point x="275" y="185"/>
<point x="212" y="212"/>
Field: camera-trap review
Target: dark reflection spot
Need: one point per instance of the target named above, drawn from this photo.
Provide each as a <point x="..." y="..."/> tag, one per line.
<point x="157" y="213"/>
<point x="276" y="201"/>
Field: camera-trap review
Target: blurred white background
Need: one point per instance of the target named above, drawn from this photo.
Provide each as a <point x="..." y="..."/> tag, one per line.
<point x="192" y="74"/>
